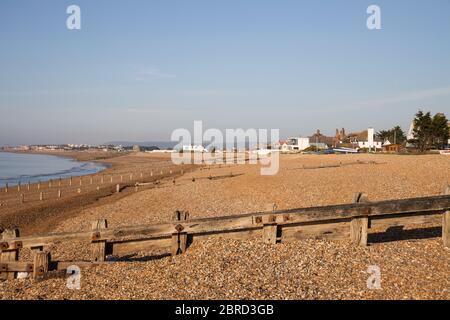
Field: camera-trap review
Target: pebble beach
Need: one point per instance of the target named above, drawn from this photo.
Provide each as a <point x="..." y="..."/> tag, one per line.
<point x="413" y="262"/>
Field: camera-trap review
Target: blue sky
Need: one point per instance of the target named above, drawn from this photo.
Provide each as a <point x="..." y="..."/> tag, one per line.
<point x="137" y="70"/>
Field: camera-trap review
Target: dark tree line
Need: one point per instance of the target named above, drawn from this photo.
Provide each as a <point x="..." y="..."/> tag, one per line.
<point x="430" y="132"/>
<point x="395" y="135"/>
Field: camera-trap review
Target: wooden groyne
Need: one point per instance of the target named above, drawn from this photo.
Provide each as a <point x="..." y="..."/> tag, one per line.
<point x="346" y="221"/>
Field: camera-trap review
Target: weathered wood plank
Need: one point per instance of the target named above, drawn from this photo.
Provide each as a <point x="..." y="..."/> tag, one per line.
<point x="99" y="247"/>
<point x="270" y="233"/>
<point x="359" y="225"/>
<point x="179" y="239"/>
<point x="331" y="231"/>
<point x="400" y="220"/>
<point x="11" y="254"/>
<point x="358" y="231"/>
<point x="436" y="204"/>
<point x="179" y="243"/>
<point x="446" y="223"/>
<point x="16" y="266"/>
<point x="41" y="264"/>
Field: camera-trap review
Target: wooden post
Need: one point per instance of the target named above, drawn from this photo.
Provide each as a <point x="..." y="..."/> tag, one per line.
<point x="35" y="250"/>
<point x="22" y="198"/>
<point x="446" y="223"/>
<point x="81" y="181"/>
<point x="70" y="181"/>
<point x="91" y="180"/>
<point x="111" y="178"/>
<point x="39" y="185"/>
<point x="59" y="193"/>
<point x="270" y="233"/>
<point x="18" y="186"/>
<point x="98" y="247"/>
<point x="179" y="239"/>
<point x="11" y="254"/>
<point x="359" y="225"/>
<point x="118" y="188"/>
<point x="41" y="196"/>
<point x="28" y="186"/>
<point x="179" y="243"/>
<point x="41" y="262"/>
<point x="151" y="173"/>
<point x="131" y="176"/>
<point x="6" y="187"/>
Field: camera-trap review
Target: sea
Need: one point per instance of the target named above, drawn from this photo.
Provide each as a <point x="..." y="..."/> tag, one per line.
<point x="24" y="168"/>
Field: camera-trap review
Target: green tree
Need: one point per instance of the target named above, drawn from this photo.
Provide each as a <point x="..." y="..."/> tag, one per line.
<point x="383" y="135"/>
<point x="394" y="135"/>
<point x="440" y="130"/>
<point x="430" y="131"/>
<point x="423" y="131"/>
<point x="397" y="135"/>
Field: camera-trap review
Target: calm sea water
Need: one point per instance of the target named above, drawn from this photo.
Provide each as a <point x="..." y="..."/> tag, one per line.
<point x="19" y="167"/>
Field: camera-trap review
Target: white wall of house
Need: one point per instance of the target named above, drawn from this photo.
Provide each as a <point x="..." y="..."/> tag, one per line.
<point x="366" y="144"/>
<point x="370" y="143"/>
<point x="298" y="144"/>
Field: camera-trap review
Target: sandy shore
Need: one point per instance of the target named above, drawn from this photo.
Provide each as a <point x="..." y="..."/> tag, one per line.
<point x="64" y="198"/>
<point x="414" y="266"/>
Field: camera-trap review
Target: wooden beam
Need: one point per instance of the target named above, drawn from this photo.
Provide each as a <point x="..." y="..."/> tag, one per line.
<point x="179" y="239"/>
<point x="427" y="205"/>
<point x="403" y="220"/>
<point x="359" y="225"/>
<point x="98" y="246"/>
<point x="179" y="243"/>
<point x="11" y="254"/>
<point x="16" y="266"/>
<point x="335" y="230"/>
<point x="41" y="264"/>
<point x="446" y="223"/>
<point x="270" y="233"/>
<point x="358" y="231"/>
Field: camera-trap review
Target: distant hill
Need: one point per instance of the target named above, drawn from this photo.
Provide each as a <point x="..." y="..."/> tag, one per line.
<point x="159" y="144"/>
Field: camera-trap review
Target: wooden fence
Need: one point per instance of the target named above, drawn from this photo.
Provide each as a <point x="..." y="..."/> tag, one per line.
<point x="347" y="221"/>
<point x="60" y="188"/>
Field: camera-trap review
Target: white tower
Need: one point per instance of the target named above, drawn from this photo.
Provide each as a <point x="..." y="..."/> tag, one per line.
<point x="370" y="134"/>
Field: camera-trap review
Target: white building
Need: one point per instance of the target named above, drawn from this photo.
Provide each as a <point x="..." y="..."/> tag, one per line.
<point x="297" y="144"/>
<point x="370" y="143"/>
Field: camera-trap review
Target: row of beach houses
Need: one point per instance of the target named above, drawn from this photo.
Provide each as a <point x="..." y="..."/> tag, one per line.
<point x="361" y="140"/>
